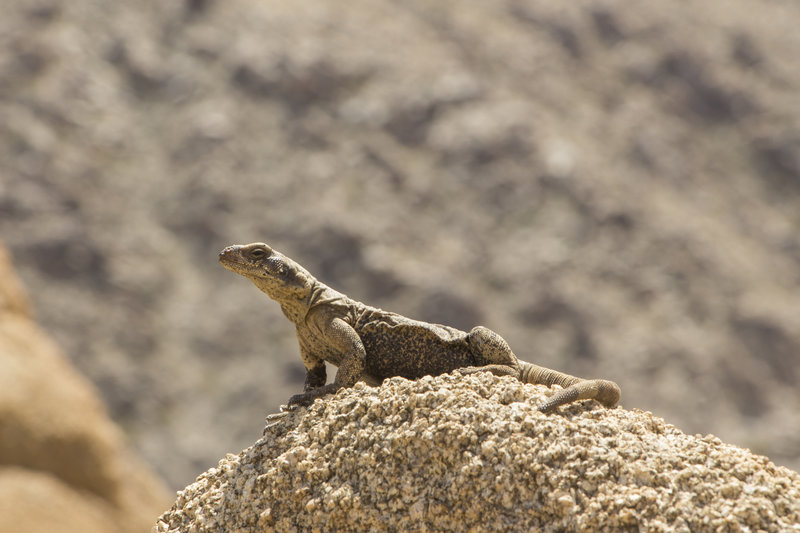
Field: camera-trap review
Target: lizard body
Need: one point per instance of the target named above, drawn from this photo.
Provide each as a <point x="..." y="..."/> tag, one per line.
<point x="370" y="344"/>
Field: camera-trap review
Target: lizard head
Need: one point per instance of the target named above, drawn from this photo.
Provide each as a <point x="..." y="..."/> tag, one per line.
<point x="272" y="272"/>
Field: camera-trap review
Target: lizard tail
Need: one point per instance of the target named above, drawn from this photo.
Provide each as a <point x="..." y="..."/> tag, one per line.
<point x="604" y="391"/>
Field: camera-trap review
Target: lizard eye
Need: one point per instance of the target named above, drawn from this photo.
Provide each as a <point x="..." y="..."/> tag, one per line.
<point x="258" y="253"/>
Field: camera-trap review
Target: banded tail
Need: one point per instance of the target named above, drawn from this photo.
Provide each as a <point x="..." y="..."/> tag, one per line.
<point x="604" y="391"/>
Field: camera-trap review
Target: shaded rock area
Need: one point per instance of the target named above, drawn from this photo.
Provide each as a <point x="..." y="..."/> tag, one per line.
<point x="64" y="466"/>
<point x="473" y="454"/>
<point x="614" y="187"/>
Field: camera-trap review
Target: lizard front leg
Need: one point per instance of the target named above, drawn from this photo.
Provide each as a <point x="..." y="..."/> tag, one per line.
<point x="316" y="376"/>
<point x="343" y="339"/>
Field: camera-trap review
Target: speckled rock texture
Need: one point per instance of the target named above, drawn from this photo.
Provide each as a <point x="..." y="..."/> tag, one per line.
<point x="471" y="453"/>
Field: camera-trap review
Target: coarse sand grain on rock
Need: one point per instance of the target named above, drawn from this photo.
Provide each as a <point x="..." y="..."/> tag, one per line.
<point x="471" y="453"/>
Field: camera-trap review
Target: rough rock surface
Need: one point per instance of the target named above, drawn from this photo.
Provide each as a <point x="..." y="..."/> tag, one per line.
<point x="456" y="453"/>
<point x="612" y="186"/>
<point x="64" y="465"/>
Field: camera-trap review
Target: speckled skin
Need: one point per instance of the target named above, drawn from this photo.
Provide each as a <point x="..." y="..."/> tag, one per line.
<point x="369" y="344"/>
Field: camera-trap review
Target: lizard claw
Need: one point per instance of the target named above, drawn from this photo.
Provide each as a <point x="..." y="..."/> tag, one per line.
<point x="268" y="427"/>
<point x="275" y="418"/>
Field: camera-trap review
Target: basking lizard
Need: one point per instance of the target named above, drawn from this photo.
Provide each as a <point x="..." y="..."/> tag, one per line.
<point x="370" y="344"/>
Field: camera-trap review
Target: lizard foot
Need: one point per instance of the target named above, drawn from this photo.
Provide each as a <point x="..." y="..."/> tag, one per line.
<point x="302" y="399"/>
<point x="308" y="397"/>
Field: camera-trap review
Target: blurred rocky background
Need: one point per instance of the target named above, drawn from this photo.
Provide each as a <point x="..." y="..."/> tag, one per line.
<point x="64" y="465"/>
<point x="614" y="187"/>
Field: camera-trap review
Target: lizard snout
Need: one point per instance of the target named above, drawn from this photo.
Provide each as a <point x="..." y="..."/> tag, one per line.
<point x="229" y="252"/>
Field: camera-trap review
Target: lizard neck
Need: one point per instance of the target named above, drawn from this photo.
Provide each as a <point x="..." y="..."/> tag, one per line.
<point x="321" y="294"/>
<point x="294" y="310"/>
<point x="297" y="308"/>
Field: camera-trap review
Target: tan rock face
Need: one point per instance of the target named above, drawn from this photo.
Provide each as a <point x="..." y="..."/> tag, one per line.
<point x="473" y="454"/>
<point x="66" y="466"/>
<point x="38" y="502"/>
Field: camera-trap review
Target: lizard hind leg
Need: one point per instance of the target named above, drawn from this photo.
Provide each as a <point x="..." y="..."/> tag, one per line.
<point x="491" y="353"/>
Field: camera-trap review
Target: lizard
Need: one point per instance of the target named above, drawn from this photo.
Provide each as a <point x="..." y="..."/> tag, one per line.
<point x="370" y="344"/>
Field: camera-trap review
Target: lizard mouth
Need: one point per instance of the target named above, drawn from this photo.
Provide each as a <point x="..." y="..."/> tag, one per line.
<point x="231" y="257"/>
<point x="228" y="255"/>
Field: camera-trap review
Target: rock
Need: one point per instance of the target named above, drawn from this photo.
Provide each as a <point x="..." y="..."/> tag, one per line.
<point x="38" y="502"/>
<point x="65" y="466"/>
<point x="473" y="454"/>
